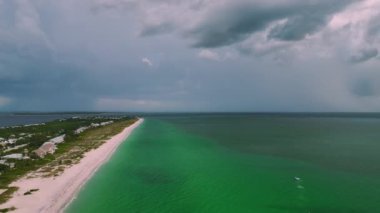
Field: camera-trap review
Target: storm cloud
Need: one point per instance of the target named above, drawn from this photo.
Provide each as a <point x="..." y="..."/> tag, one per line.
<point x="189" y="55"/>
<point x="237" y="21"/>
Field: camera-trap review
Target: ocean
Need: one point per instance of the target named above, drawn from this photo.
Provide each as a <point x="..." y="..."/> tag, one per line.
<point x="241" y="163"/>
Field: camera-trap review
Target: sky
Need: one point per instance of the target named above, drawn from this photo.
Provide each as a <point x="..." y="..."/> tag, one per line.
<point x="190" y="55"/>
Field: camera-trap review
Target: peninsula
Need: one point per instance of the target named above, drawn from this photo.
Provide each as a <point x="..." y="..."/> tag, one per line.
<point x="43" y="166"/>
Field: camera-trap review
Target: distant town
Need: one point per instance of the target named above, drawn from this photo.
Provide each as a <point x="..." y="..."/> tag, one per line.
<point x="20" y="144"/>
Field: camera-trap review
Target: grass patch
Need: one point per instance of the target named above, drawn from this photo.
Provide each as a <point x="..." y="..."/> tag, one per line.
<point x="7" y="194"/>
<point x="8" y="209"/>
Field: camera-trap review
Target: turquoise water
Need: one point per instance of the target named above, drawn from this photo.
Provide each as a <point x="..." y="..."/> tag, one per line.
<point x="241" y="163"/>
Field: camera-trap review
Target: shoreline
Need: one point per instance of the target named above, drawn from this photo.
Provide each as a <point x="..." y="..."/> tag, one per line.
<point x="56" y="193"/>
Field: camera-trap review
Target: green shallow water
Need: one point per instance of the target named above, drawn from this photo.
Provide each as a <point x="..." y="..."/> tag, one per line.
<point x="239" y="164"/>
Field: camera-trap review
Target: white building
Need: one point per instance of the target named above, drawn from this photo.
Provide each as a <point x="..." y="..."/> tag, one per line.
<point x="81" y="129"/>
<point x="58" y="139"/>
<point x="106" y="123"/>
<point x="16" y="147"/>
<point x="17" y="156"/>
<point x="46" y="148"/>
<point x="10" y="141"/>
<point x="95" y="125"/>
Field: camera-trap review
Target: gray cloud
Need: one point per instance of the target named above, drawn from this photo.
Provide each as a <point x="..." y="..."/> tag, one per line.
<point x="374" y="27"/>
<point x="236" y="22"/>
<point x="364" y="55"/>
<point x="363" y="88"/>
<point x="103" y="5"/>
<point x="150" y="30"/>
<point x="87" y="55"/>
<point x="308" y="19"/>
<point x="297" y="27"/>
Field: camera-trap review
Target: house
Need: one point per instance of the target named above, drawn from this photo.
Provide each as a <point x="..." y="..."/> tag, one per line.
<point x="81" y="129"/>
<point x="4" y="162"/>
<point x="106" y="123"/>
<point x="11" y="141"/>
<point x="95" y="124"/>
<point x="46" y="148"/>
<point x="101" y="124"/>
<point x="15" y="147"/>
<point x="17" y="156"/>
<point x="58" y="139"/>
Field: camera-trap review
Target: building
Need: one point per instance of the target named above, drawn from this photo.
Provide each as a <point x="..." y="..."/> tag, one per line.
<point x="95" y="124"/>
<point x="17" y="156"/>
<point x="15" y="147"/>
<point x="106" y="123"/>
<point x="58" y="139"/>
<point x="81" y="129"/>
<point x="46" y="148"/>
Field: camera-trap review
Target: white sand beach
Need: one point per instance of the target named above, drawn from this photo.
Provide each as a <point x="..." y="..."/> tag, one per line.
<point x="54" y="193"/>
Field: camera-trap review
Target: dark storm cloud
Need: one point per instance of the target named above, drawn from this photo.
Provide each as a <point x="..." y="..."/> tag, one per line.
<point x="308" y="19"/>
<point x="42" y="84"/>
<point x="90" y="55"/>
<point x="239" y="21"/>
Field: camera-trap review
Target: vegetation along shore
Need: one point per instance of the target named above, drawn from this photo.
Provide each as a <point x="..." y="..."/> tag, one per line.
<point x="47" y="149"/>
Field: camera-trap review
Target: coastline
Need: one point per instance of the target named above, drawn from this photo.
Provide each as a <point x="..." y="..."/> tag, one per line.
<point x="55" y="193"/>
